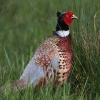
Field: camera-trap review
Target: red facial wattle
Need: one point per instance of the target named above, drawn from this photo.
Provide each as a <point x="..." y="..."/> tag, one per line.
<point x="68" y="18"/>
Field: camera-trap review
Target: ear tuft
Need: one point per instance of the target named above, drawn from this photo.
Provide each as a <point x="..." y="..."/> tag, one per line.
<point x="58" y="13"/>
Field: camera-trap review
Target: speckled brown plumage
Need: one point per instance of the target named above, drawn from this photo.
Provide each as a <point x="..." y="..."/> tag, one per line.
<point x="52" y="48"/>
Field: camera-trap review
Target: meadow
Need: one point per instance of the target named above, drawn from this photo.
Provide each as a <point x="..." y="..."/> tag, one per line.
<point x="24" y="24"/>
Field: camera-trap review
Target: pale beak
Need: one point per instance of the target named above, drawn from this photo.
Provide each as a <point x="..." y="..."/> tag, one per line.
<point x="74" y="17"/>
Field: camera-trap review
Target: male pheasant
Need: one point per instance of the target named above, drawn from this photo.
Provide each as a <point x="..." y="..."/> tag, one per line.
<point x="52" y="61"/>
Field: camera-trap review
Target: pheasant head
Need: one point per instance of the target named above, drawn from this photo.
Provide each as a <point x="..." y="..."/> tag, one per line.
<point x="64" y="20"/>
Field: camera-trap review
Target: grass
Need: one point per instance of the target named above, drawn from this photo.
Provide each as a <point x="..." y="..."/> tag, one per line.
<point x="24" y="24"/>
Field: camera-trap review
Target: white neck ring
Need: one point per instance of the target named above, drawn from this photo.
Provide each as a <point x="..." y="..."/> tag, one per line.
<point x="63" y="33"/>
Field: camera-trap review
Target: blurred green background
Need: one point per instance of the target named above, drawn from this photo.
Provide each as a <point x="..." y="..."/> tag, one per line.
<point x="24" y="24"/>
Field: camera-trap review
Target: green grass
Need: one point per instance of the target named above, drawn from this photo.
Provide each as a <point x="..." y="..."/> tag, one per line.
<point x="24" y="24"/>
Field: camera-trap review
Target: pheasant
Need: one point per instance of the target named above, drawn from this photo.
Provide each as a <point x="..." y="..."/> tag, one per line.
<point x="52" y="61"/>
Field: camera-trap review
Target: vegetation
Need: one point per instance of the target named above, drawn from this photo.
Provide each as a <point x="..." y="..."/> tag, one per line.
<point x="24" y="24"/>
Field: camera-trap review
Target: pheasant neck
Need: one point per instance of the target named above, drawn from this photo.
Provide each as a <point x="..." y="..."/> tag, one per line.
<point x="62" y="30"/>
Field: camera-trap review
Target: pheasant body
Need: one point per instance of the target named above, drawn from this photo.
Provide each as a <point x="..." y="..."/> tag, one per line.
<point x="53" y="59"/>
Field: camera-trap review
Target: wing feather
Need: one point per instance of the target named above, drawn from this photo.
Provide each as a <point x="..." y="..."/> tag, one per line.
<point x="39" y="66"/>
